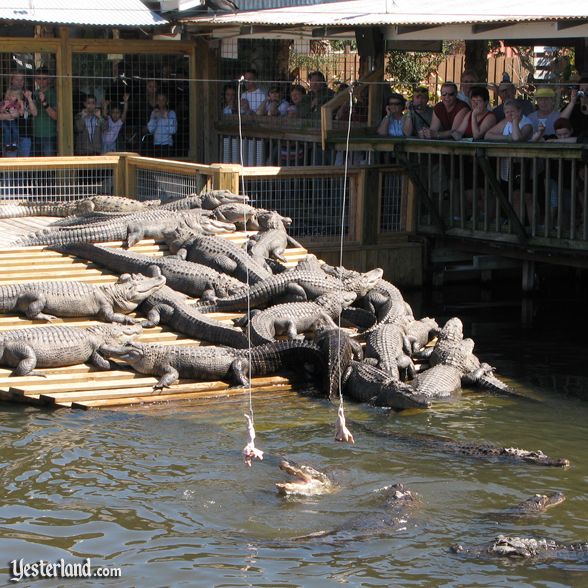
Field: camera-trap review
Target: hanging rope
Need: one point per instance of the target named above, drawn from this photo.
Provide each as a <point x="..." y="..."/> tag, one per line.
<point x="342" y="433"/>
<point x="250" y="452"/>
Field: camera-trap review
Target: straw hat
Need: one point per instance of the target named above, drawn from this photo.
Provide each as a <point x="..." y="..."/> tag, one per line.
<point x="544" y="93"/>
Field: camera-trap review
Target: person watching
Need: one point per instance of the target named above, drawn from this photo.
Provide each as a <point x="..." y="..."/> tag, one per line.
<point x="508" y="91"/>
<point x="392" y="124"/>
<point x="479" y="120"/>
<point x="447" y="114"/>
<point x="545" y="115"/>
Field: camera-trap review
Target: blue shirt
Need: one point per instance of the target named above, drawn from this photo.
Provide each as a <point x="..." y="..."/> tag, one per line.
<point x="163" y="128"/>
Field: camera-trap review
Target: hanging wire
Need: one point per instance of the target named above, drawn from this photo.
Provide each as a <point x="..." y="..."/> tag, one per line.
<point x="250" y="452"/>
<point x="342" y="433"/>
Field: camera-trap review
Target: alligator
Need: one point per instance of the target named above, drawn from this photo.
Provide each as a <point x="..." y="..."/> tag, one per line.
<point x="219" y="254"/>
<point x="307" y="482"/>
<point x="393" y="515"/>
<point x="171" y="362"/>
<point x="15" y="209"/>
<point x="339" y="349"/>
<point x="420" y="332"/>
<point x="367" y="383"/>
<point x="296" y="285"/>
<point x="272" y="239"/>
<point x="455" y="365"/>
<point x="129" y="228"/>
<point x="389" y="349"/>
<point x="171" y="308"/>
<point x="525" y="548"/>
<point x="474" y="450"/>
<point x="293" y="318"/>
<point x="184" y="276"/>
<point x="109" y="302"/>
<point x="206" y="200"/>
<point x="534" y="505"/>
<point x="60" y="346"/>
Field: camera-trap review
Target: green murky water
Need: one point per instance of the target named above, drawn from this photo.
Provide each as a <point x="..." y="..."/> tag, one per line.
<point x="162" y="492"/>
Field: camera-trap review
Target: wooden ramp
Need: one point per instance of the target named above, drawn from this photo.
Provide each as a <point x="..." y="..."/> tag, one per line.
<point x="83" y="386"/>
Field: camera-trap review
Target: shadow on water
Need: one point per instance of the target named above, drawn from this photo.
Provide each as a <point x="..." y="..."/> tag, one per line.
<point x="162" y="491"/>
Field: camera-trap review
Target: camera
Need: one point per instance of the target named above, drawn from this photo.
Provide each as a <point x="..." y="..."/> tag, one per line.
<point x="581" y="94"/>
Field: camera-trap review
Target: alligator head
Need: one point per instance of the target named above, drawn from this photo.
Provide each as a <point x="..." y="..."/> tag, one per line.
<point x="270" y="219"/>
<point x="308" y="481"/>
<point x="130" y="352"/>
<point x="540" y="502"/>
<point x="117" y="333"/>
<point x="207" y="225"/>
<point x="452" y="330"/>
<point x="130" y="290"/>
<point x="210" y="200"/>
<point x="361" y="284"/>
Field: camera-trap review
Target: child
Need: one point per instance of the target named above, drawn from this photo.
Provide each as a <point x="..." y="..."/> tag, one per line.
<point x="12" y="108"/>
<point x="273" y="105"/>
<point x="114" y="123"/>
<point x="162" y="125"/>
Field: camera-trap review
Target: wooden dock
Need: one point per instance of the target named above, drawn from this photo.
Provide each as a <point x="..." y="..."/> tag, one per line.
<point x="83" y="386"/>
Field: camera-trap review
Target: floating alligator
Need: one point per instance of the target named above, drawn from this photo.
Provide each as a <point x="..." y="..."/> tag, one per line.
<point x="307" y="481"/>
<point x="293" y="318"/>
<point x="12" y="209"/>
<point x="129" y="228"/>
<point x="60" y="346"/>
<point x="296" y="285"/>
<point x="525" y="548"/>
<point x="474" y="450"/>
<point x="534" y="505"/>
<point x="184" y="276"/>
<point x="394" y="515"/>
<point x="110" y="302"/>
<point x="171" y="362"/>
<point x="168" y="307"/>
<point x="364" y="382"/>
<point x="219" y="254"/>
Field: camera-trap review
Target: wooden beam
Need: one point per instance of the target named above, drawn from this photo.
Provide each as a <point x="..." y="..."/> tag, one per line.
<point x="562" y="25"/>
<point x="489" y="26"/>
<point x="406" y="29"/>
<point x="502" y="199"/>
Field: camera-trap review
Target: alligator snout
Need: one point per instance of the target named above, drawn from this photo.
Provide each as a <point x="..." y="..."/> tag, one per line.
<point x="308" y="481"/>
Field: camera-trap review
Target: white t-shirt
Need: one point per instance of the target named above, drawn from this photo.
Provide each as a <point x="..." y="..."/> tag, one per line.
<point x="507" y="132"/>
<point x="255" y="98"/>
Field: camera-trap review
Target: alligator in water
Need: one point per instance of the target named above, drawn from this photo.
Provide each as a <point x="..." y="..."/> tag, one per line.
<point x="110" y="302"/>
<point x="534" y="505"/>
<point x="296" y="285"/>
<point x="171" y="362"/>
<point x="129" y="228"/>
<point x="524" y="548"/>
<point x="293" y="318"/>
<point x="12" y="209"/>
<point x="392" y="516"/>
<point x="307" y="481"/>
<point x="474" y="450"/>
<point x="190" y="278"/>
<point x="60" y="346"/>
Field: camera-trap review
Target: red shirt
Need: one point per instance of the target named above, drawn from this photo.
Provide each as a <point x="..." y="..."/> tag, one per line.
<point x="469" y="131"/>
<point x="447" y="118"/>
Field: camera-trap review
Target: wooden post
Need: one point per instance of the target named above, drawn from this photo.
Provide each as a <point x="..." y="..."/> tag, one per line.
<point x="226" y="177"/>
<point x="193" y="152"/>
<point x="64" y="90"/>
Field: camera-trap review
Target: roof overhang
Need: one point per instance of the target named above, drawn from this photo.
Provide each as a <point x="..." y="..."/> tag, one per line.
<point x="404" y="19"/>
<point x="106" y="13"/>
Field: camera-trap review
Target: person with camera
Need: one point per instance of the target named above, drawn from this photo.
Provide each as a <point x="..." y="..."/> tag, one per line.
<point x="89" y="125"/>
<point x="273" y="105"/>
<point x="577" y="110"/>
<point x="419" y="114"/>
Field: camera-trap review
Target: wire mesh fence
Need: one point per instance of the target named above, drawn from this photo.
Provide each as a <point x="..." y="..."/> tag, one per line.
<point x="391" y="220"/>
<point x="313" y="203"/>
<point x="43" y="185"/>
<point x="164" y="185"/>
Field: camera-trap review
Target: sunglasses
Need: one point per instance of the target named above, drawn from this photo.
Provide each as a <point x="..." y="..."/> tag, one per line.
<point x="447" y="93"/>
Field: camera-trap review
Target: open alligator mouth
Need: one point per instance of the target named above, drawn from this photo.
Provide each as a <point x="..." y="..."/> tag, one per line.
<point x="308" y="481"/>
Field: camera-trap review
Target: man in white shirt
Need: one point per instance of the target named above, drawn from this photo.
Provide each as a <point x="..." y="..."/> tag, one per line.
<point x="253" y="96"/>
